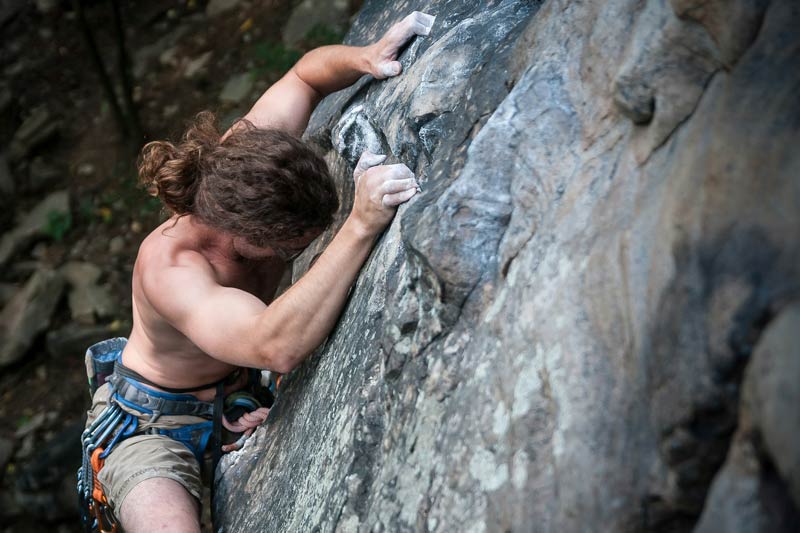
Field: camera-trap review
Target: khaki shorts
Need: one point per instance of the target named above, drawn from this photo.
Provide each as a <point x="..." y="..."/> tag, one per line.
<point x="142" y="457"/>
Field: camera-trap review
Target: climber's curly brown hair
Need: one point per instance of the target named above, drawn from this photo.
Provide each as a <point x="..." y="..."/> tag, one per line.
<point x="263" y="185"/>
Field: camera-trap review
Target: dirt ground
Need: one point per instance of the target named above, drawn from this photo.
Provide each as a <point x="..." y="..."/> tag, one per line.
<point x="45" y="63"/>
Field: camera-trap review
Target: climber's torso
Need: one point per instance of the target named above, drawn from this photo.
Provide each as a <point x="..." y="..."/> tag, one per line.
<point x="157" y="349"/>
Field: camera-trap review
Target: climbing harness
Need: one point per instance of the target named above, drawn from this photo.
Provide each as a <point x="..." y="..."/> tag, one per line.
<point x="129" y="391"/>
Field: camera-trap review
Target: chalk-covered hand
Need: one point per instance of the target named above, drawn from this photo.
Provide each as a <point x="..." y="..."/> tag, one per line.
<point x="379" y="190"/>
<point x="383" y="54"/>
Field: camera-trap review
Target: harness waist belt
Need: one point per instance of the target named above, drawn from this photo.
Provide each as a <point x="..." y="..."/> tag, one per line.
<point x="132" y="394"/>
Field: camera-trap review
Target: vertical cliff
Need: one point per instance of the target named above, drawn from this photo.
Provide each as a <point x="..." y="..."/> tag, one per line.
<point x="585" y="321"/>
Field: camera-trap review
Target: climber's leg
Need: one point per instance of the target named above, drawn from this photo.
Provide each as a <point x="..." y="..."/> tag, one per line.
<point x="160" y="504"/>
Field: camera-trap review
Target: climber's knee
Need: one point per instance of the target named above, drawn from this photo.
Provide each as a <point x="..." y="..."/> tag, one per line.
<point x="158" y="504"/>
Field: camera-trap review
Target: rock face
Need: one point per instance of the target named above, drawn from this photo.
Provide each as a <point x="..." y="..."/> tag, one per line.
<point x="554" y="335"/>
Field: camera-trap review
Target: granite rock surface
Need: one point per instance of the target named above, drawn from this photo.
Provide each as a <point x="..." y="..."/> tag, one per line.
<point x="585" y="321"/>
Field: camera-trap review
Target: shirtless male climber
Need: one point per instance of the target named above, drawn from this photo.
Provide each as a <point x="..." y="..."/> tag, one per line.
<point x="243" y="206"/>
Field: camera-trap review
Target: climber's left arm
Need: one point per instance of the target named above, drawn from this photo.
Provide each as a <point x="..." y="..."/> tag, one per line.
<point x="289" y="102"/>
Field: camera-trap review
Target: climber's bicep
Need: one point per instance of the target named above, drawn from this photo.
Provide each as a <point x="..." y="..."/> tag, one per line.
<point x="287" y="105"/>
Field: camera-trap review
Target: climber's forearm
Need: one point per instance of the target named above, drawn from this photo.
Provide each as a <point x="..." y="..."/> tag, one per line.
<point x="305" y="314"/>
<point x="331" y="68"/>
<point x="289" y="102"/>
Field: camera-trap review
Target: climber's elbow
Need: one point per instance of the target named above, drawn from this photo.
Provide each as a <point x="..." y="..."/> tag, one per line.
<point x="275" y="357"/>
<point x="280" y="355"/>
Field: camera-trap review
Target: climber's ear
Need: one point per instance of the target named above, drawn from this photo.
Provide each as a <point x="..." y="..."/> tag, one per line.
<point x="367" y="160"/>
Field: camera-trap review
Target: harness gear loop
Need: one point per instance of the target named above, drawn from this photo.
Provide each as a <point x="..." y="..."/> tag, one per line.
<point x="99" y="502"/>
<point x="97" y="464"/>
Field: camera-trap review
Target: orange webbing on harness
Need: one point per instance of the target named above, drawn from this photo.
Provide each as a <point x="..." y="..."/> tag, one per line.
<point x="98" y="496"/>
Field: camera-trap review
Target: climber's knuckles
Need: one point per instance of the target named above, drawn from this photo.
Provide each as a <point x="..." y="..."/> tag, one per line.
<point x="398" y="185"/>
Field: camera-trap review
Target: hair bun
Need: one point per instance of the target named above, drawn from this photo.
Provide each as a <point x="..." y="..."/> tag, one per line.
<point x="173" y="172"/>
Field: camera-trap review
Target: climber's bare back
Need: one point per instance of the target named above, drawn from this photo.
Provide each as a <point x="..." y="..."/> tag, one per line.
<point x="187" y="251"/>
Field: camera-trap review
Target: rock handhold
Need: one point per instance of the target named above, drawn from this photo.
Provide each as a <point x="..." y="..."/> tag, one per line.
<point x="354" y="134"/>
<point x="659" y="83"/>
<point x="28" y="314"/>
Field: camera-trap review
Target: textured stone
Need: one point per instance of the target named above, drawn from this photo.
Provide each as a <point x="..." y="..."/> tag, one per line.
<point x="750" y="493"/>
<point x="552" y="336"/>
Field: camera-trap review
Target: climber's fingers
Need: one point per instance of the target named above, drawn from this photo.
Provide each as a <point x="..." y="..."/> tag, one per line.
<point x="233" y="427"/>
<point x="393" y="200"/>
<point x="398" y="185"/>
<point x="387" y="49"/>
<point x="417" y="23"/>
<point x="366" y="161"/>
<point x="235" y="446"/>
<point x="263" y="412"/>
<point x="254" y="417"/>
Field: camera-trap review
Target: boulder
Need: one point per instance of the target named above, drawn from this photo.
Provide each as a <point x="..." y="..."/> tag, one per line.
<point x="38" y="128"/>
<point x="237" y="88"/>
<point x="146" y="55"/>
<point x="313" y="14"/>
<point x="552" y="336"/>
<point x="218" y="7"/>
<point x="81" y="274"/>
<point x="87" y="299"/>
<point x="41" y="174"/>
<point x="28" y="314"/>
<point x="73" y="340"/>
<point x="33" y="224"/>
<point x="195" y="67"/>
